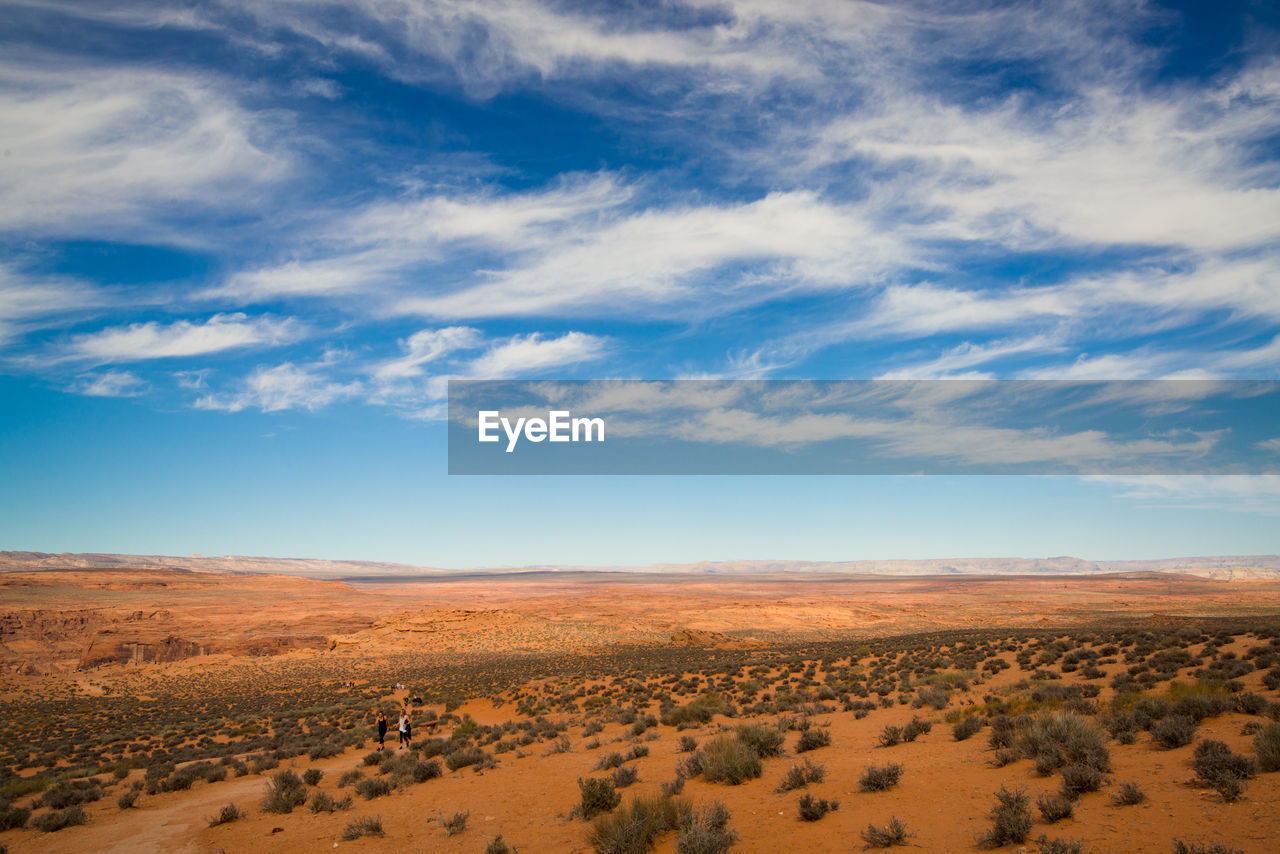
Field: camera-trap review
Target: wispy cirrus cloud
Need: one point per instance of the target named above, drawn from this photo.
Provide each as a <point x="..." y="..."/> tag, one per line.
<point x="281" y="387"/>
<point x="121" y="151"/>
<point x="111" y="384"/>
<point x="182" y="338"/>
<point x="534" y="353"/>
<point x="1237" y="493"/>
<point x="30" y="301"/>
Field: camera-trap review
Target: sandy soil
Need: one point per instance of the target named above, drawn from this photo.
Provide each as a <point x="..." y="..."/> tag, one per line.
<point x="945" y="793"/>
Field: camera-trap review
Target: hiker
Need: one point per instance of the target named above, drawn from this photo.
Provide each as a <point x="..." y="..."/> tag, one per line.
<point x="382" y="728"/>
<point x="404" y="728"/>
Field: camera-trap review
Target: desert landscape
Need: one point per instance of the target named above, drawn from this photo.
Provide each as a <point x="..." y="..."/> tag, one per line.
<point x="211" y="704"/>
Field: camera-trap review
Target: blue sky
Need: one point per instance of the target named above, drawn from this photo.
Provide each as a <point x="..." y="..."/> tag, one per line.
<point x="243" y="247"/>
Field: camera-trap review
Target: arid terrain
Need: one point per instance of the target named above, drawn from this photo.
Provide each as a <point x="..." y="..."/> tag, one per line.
<point x="159" y="707"/>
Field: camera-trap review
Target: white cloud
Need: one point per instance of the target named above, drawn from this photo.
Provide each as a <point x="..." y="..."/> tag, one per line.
<point x="375" y="247"/>
<point x="28" y="302"/>
<point x="427" y="345"/>
<point x="154" y="340"/>
<point x="111" y="384"/>
<point x="105" y="151"/>
<point x="488" y="44"/>
<point x="958" y="362"/>
<point x="667" y="260"/>
<point x="535" y="353"/>
<point x="1236" y="493"/>
<point x="281" y="387"/>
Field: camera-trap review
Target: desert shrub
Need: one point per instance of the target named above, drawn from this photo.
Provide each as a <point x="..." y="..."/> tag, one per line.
<point x="1011" y="819"/>
<point x="893" y="833"/>
<point x="597" y="795"/>
<point x="1250" y="703"/>
<point x="1266" y="745"/>
<point x="52" y="822"/>
<point x="915" y="728"/>
<point x="609" y="761"/>
<point x="12" y="817"/>
<point x="350" y="777"/>
<point x="71" y="793"/>
<point x="932" y="696"/>
<point x="812" y="809"/>
<point x="1056" y="739"/>
<point x="890" y="736"/>
<point x="625" y="776"/>
<point x="264" y="762"/>
<point x="763" y="740"/>
<point x="424" y="771"/>
<point x="1005" y="757"/>
<point x="1174" y="731"/>
<point x="1055" y="807"/>
<point x="1180" y="847"/>
<point x="1059" y="846"/>
<point x="1128" y="795"/>
<point x="324" y="802"/>
<point x="688" y="744"/>
<point x="324" y="751"/>
<point x="638" y="751"/>
<point x="228" y="813"/>
<point x="708" y="832"/>
<point x="633" y="829"/>
<point x="798" y="776"/>
<point x="1078" y="778"/>
<point x="1003" y="732"/>
<point x="1216" y="765"/>
<point x="729" y="759"/>
<point x="455" y="824"/>
<point x="674" y="787"/>
<point x="374" y="787"/>
<point x="284" y="792"/>
<point x="967" y="727"/>
<point x="497" y="846"/>
<point x="812" y="739"/>
<point x="880" y="778"/>
<point x="698" y="711"/>
<point x="312" y="776"/>
<point x="471" y="756"/>
<point x="365" y="825"/>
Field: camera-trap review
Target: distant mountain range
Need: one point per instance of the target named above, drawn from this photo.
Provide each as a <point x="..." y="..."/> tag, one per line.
<point x="1225" y="567"/>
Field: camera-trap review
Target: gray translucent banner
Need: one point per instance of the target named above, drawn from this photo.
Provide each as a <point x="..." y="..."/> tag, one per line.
<point x="864" y="427"/>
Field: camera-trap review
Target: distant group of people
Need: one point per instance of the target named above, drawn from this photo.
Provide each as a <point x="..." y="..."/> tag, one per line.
<point x="404" y="726"/>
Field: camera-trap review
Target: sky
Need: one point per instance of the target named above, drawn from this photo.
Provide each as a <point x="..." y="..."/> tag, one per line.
<point x="244" y="246"/>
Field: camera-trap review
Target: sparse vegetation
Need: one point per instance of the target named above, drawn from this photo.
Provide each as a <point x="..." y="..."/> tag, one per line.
<point x="365" y="825"/>
<point x="800" y="775"/>
<point x="1011" y="820"/>
<point x="812" y="808"/>
<point x="887" y="836"/>
<point x="1128" y="795"/>
<point x="456" y="823"/>
<point x="228" y="813"/>
<point x="597" y="795"/>
<point x="880" y="778"/>
<point x="634" y="828"/>
<point x="51" y="822"/>
<point x="707" y="832"/>
<point x="284" y="792"/>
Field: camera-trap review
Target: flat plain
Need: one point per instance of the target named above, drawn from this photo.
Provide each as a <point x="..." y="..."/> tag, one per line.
<point x="147" y="708"/>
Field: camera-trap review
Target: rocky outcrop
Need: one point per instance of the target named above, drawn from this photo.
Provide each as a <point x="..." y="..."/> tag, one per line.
<point x="711" y="640"/>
